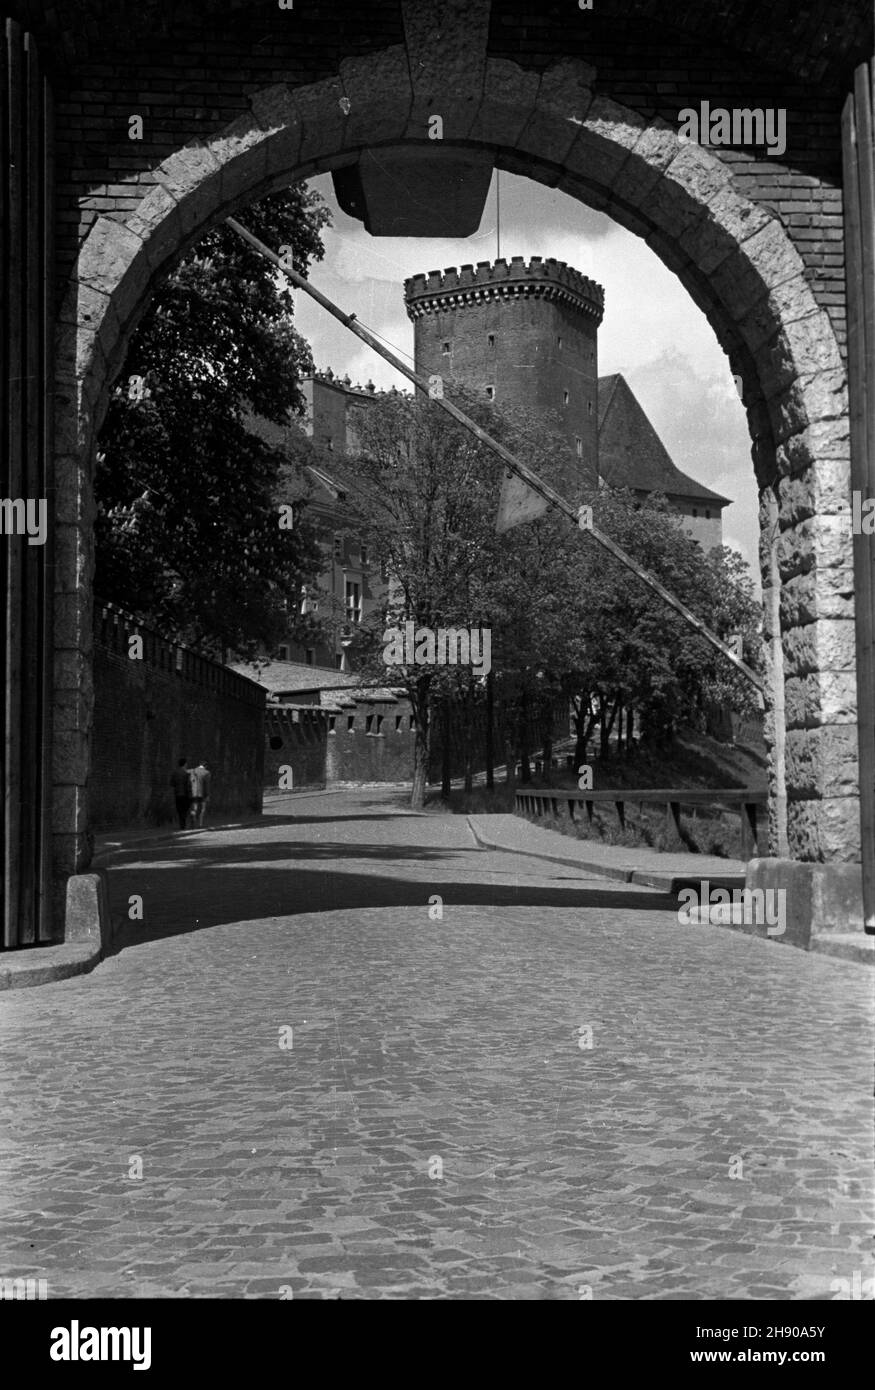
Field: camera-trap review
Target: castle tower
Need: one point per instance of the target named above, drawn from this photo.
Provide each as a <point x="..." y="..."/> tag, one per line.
<point x="521" y="334"/>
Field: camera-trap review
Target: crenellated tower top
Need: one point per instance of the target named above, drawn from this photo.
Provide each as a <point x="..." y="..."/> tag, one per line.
<point x="502" y="280"/>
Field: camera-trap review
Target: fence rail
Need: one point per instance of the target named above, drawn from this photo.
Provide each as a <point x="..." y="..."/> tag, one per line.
<point x="547" y="801"/>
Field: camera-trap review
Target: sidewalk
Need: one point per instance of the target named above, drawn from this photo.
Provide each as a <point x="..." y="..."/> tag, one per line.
<point x="631" y="864"/>
<point x="651" y="868"/>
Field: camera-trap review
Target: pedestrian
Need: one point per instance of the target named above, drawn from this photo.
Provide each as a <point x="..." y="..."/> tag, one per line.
<point x="200" y="792"/>
<point x="180" y="781"/>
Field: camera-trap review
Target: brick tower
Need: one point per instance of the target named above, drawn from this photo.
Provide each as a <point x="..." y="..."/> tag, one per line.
<point x="523" y="334"/>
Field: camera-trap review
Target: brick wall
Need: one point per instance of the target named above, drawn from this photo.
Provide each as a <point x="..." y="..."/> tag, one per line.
<point x="189" y="78"/>
<point x="150" y="712"/>
<point x="373" y="741"/>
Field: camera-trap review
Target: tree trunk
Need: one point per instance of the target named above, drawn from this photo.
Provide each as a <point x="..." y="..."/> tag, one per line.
<point x="490" y="733"/>
<point x="604" y="730"/>
<point x="422" y="745"/>
<point x="469" y="740"/>
<point x="446" y="752"/>
<point x="580" y="740"/>
<point x="525" y="768"/>
<point x="547" y="753"/>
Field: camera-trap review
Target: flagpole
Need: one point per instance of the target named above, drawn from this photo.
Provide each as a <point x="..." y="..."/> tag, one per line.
<point x="521" y="470"/>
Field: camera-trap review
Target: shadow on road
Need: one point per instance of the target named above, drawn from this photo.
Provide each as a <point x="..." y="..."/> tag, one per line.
<point x="187" y="898"/>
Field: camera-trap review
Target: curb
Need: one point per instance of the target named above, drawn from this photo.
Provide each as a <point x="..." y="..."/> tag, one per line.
<point x="42" y="965"/>
<point x="845" y="946"/>
<point x="645" y="878"/>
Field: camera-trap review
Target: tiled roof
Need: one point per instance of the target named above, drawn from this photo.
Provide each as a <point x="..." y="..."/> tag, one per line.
<point x="631" y="453"/>
<point x="290" y="678"/>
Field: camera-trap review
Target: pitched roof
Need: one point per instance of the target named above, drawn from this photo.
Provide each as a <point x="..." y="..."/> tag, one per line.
<point x="293" y="678"/>
<point x="631" y="453"/>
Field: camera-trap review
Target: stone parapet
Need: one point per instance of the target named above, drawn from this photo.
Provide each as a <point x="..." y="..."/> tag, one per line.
<point x="549" y="279"/>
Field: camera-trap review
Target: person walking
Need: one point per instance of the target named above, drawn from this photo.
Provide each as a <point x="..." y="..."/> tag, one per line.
<point x="180" y="781"/>
<point x="200" y="792"/>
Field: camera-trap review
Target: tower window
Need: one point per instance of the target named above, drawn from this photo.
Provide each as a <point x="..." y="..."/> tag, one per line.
<point x="490" y="392"/>
<point x="491" y="340"/>
<point x="445" y="349"/>
<point x="578" y="444"/>
<point x="564" y="397"/>
<point x="559" y="341"/>
<point x="589" y="407"/>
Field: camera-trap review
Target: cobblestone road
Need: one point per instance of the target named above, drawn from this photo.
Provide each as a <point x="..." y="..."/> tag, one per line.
<point x="436" y="1124"/>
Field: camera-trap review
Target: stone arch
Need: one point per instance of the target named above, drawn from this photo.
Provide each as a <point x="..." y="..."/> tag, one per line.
<point x="732" y="255"/>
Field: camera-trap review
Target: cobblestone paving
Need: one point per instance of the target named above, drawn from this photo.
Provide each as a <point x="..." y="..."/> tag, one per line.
<point x="439" y="1126"/>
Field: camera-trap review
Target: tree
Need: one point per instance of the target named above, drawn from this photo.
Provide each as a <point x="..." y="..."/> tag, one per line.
<point x="425" y="492"/>
<point x="630" y="651"/>
<point x="189" y="534"/>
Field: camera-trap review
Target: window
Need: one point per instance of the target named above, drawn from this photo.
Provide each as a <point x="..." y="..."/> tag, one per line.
<point x="399" y="720"/>
<point x="490" y="393"/>
<point x="491" y="340"/>
<point x="332" y="720"/>
<point x="707" y="516"/>
<point x="350" y="723"/>
<point x="310" y="656"/>
<point x="564" y="397"/>
<point x="338" y="545"/>
<point x="589" y="407"/>
<point x="446" y="349"/>
<point x="578" y="444"/>
<point x="695" y="511"/>
<point x="369" y="723"/>
<point x="353" y="602"/>
<point x="379" y="724"/>
<point x="338" y="660"/>
<point x="284" y="651"/>
<point x="559" y="341"/>
<point x="363" y="554"/>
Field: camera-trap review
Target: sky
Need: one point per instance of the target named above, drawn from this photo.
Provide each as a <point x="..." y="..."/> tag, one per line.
<point x="652" y="332"/>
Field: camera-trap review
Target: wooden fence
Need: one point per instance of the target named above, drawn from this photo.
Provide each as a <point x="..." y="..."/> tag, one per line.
<point x="548" y="801"/>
